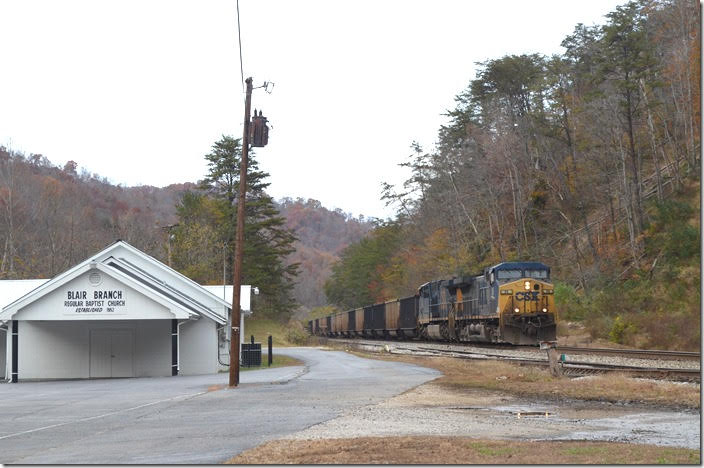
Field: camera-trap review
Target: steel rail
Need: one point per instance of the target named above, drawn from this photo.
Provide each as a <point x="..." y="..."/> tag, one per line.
<point x="641" y="353"/>
<point x="690" y="375"/>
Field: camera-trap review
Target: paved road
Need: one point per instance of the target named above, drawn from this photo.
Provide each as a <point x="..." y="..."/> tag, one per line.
<point x="188" y="419"/>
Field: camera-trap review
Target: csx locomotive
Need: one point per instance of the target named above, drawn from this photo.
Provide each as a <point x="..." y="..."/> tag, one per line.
<point x="512" y="302"/>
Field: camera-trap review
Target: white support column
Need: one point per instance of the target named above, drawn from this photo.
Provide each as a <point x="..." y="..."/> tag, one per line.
<point x="242" y="335"/>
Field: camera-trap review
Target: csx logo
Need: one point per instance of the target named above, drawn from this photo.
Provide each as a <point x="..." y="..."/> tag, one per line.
<point x="527" y="296"/>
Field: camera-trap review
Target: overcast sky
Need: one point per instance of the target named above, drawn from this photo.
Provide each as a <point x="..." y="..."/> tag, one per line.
<point x="138" y="91"/>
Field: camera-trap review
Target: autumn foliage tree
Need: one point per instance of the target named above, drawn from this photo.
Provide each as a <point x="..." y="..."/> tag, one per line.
<point x="356" y="279"/>
<point x="566" y="159"/>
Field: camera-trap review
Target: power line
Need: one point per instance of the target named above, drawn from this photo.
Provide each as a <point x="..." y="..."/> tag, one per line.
<point x="239" y="37"/>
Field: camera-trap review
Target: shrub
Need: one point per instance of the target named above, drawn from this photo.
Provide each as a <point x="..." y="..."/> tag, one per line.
<point x="568" y="302"/>
<point x="296" y="333"/>
<point x="622" y="331"/>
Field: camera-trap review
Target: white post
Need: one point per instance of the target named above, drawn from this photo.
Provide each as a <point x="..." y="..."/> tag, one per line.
<point x="8" y="351"/>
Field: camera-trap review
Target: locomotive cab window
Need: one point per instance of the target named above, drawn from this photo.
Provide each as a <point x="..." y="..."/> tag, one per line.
<point x="509" y="274"/>
<point x="537" y="274"/>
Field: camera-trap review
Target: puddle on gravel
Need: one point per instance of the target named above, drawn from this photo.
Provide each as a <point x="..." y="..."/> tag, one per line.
<point x="676" y="429"/>
<point x="497" y="415"/>
<point x="665" y="428"/>
<point x="517" y="410"/>
<point x="524" y="410"/>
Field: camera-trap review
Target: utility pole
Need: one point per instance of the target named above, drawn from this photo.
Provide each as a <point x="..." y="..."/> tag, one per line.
<point x="169" y="236"/>
<point x="239" y="247"/>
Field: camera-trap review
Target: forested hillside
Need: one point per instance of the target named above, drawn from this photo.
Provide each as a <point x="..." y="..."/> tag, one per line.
<point x="588" y="161"/>
<point x="53" y="217"/>
<point x="322" y="236"/>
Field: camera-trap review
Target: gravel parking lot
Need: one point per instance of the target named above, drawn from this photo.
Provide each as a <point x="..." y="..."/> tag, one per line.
<point x="431" y="410"/>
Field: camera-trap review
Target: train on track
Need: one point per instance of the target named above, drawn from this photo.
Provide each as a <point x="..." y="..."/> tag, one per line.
<point x="511" y="302"/>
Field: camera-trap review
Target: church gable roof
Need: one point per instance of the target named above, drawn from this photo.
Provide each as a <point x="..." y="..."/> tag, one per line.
<point x="167" y="287"/>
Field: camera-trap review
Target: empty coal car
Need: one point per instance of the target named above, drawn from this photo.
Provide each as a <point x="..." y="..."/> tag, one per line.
<point x="512" y="302"/>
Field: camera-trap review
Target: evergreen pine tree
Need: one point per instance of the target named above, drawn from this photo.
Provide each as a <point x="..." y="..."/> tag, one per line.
<point x="267" y="240"/>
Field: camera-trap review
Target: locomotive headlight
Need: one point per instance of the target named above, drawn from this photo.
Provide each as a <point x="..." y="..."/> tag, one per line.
<point x="527" y="285"/>
<point x="516" y="310"/>
<point x="545" y="310"/>
<point x="507" y="291"/>
<point x="547" y="291"/>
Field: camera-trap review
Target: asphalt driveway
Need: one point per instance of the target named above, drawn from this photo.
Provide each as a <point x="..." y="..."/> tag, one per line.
<point x="188" y="419"/>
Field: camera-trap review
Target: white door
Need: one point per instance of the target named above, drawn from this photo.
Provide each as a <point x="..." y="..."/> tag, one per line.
<point x="100" y="354"/>
<point x="121" y="356"/>
<point x="111" y="353"/>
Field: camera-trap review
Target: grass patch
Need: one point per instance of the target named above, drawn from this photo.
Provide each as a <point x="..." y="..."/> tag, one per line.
<point x="673" y="456"/>
<point x="261" y="327"/>
<point x="459" y="451"/>
<point x="585" y="450"/>
<point x="491" y="451"/>
<point x="535" y="381"/>
<point x="278" y="360"/>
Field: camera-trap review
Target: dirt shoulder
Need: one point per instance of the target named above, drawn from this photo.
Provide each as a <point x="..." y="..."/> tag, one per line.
<point x="459" y="451"/>
<point x="530" y="381"/>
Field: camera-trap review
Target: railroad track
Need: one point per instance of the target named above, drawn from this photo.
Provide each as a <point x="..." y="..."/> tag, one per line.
<point x="580" y="369"/>
<point x="634" y="353"/>
<point x="638" y="353"/>
<point x="570" y="366"/>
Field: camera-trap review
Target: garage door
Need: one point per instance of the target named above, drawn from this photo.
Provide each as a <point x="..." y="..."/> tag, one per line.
<point x="111" y="353"/>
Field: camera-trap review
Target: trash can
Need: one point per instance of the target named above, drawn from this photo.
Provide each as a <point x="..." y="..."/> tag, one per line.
<point x="251" y="355"/>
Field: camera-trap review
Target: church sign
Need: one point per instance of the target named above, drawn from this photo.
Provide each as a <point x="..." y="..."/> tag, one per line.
<point x="96" y="301"/>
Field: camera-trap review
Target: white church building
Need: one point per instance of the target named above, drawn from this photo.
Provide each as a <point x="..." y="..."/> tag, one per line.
<point x="120" y="313"/>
